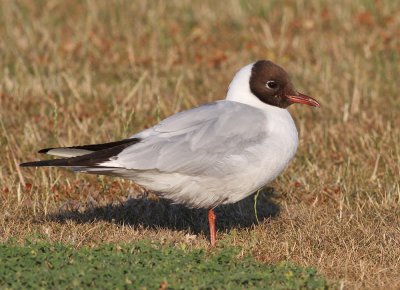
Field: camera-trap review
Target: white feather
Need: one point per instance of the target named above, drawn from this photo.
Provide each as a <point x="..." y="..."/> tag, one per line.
<point x="67" y="152"/>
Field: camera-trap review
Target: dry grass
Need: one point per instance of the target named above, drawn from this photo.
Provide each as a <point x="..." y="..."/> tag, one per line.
<point x="91" y="71"/>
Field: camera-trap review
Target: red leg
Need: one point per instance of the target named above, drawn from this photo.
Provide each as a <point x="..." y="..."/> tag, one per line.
<point x="211" y="223"/>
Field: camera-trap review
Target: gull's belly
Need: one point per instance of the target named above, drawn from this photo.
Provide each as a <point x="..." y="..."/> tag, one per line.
<point x="273" y="160"/>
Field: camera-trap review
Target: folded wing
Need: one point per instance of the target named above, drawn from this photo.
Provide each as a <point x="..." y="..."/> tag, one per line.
<point x="199" y="141"/>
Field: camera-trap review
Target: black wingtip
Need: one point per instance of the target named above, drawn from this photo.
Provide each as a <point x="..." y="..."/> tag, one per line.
<point x="95" y="147"/>
<point x="45" y="150"/>
<point x="29" y="164"/>
<point x="105" y="151"/>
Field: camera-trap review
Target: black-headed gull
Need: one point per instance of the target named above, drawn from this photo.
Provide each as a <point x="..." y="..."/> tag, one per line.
<point x="214" y="154"/>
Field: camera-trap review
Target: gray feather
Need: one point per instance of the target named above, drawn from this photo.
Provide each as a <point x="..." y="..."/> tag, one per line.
<point x="208" y="140"/>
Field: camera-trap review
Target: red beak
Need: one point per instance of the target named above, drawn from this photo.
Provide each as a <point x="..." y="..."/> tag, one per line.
<point x="303" y="99"/>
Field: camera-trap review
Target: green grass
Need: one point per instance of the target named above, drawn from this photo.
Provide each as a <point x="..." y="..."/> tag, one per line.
<point x="143" y="265"/>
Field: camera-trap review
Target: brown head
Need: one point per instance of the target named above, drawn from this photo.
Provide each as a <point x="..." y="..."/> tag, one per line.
<point x="271" y="84"/>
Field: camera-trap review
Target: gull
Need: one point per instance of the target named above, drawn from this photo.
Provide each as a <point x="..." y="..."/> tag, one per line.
<point x="214" y="154"/>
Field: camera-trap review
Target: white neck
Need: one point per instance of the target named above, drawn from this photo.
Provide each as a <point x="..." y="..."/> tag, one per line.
<point x="239" y="90"/>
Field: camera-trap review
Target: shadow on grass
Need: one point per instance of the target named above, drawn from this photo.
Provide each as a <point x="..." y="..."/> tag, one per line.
<point x="162" y="213"/>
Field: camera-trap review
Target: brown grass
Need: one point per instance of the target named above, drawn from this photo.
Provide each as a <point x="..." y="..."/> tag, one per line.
<point x="78" y="72"/>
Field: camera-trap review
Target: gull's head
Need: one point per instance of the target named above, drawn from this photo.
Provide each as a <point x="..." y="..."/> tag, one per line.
<point x="264" y="82"/>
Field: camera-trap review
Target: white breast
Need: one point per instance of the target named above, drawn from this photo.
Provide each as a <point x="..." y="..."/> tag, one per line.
<point x="282" y="137"/>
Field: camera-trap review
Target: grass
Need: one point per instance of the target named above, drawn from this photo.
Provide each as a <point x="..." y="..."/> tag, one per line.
<point x="144" y="266"/>
<point x="85" y="72"/>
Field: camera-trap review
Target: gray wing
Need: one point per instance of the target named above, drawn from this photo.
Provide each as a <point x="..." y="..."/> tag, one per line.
<point x="200" y="141"/>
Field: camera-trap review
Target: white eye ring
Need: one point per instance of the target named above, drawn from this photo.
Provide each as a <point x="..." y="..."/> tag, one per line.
<point x="272" y="85"/>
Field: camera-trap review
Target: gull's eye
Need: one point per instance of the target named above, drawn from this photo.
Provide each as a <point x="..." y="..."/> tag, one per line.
<point x="272" y="85"/>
